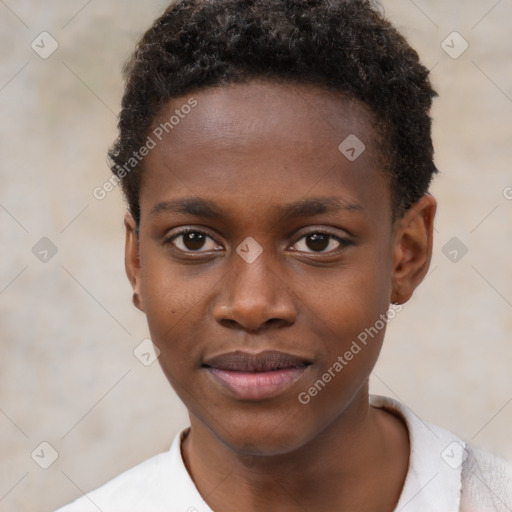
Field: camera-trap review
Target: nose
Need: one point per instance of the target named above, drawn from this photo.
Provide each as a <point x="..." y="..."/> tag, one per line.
<point x="253" y="297"/>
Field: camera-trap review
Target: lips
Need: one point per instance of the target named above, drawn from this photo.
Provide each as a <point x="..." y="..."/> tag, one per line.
<point x="260" y="376"/>
<point x="262" y="362"/>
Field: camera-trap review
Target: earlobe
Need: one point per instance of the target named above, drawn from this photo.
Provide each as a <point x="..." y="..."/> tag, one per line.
<point x="131" y="259"/>
<point x="412" y="248"/>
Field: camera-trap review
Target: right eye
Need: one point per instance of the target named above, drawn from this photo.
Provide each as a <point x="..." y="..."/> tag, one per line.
<point x="191" y="240"/>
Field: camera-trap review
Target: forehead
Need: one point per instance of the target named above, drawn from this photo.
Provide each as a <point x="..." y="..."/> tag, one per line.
<point x="263" y="143"/>
<point x="224" y="115"/>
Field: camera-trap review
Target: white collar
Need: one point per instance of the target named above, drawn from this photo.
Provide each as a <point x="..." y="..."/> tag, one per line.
<point x="433" y="481"/>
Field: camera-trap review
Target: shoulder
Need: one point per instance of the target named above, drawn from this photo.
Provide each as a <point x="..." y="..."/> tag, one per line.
<point x="160" y="483"/>
<point x="486" y="482"/>
<point x="447" y="474"/>
<point x="126" y="489"/>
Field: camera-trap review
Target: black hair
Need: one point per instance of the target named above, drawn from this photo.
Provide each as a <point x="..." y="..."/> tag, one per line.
<point x="345" y="45"/>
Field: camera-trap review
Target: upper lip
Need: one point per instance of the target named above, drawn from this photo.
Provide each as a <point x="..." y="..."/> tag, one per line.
<point x="269" y="360"/>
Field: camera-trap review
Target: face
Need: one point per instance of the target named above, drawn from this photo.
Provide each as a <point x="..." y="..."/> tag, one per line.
<point x="264" y="252"/>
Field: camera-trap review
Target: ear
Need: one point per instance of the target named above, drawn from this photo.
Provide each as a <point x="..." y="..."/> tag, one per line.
<point x="412" y="248"/>
<point x="131" y="259"/>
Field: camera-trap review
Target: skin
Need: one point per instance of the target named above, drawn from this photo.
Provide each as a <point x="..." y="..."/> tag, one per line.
<point x="251" y="148"/>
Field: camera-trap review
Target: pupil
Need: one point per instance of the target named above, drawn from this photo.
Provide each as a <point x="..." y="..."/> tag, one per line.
<point x="193" y="241"/>
<point x="317" y="242"/>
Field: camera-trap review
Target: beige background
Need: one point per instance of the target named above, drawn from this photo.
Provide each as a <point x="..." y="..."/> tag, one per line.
<point x="68" y="375"/>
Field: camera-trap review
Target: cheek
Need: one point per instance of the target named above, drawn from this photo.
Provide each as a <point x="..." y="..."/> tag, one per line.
<point x="350" y="324"/>
<point x="350" y="299"/>
<point x="348" y="312"/>
<point x="173" y="298"/>
<point x="169" y="287"/>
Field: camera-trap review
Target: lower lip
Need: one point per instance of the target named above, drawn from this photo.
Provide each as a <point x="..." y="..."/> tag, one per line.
<point x="257" y="385"/>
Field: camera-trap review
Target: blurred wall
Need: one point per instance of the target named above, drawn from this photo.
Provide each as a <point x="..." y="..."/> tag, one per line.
<point x="68" y="374"/>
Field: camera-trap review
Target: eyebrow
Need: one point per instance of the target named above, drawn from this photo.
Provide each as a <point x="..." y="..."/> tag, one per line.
<point x="209" y="210"/>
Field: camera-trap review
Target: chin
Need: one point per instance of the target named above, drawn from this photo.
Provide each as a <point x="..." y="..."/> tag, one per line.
<point x="263" y="434"/>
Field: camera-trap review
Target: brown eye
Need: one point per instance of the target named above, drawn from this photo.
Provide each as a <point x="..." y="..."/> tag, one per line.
<point x="192" y="241"/>
<point x="319" y="242"/>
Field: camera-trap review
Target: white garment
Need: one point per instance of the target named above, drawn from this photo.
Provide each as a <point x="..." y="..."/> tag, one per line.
<point x="445" y="475"/>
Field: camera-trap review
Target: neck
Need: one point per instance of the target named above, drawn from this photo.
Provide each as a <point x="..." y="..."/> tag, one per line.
<point x="359" y="462"/>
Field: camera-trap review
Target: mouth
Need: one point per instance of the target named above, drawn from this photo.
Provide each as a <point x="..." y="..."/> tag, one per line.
<point x="256" y="376"/>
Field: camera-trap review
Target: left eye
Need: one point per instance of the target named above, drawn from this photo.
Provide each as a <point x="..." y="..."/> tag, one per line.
<point x="320" y="242"/>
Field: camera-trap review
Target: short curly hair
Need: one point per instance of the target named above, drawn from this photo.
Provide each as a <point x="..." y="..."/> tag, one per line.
<point x="344" y="45"/>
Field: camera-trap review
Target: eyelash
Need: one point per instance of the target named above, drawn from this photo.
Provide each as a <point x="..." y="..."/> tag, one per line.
<point x="344" y="242"/>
